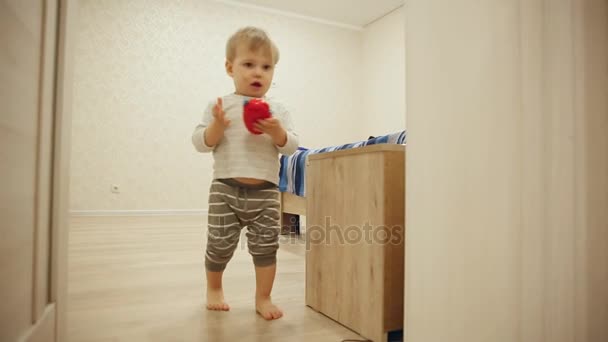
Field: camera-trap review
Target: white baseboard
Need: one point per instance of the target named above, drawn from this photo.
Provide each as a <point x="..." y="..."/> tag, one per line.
<point x="173" y="212"/>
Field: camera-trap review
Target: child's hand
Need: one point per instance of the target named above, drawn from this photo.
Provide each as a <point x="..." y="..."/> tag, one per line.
<point x="215" y="132"/>
<point x="219" y="115"/>
<point x="272" y="127"/>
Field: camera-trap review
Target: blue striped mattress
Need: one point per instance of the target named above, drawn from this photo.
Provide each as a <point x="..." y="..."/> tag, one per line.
<point x="293" y="168"/>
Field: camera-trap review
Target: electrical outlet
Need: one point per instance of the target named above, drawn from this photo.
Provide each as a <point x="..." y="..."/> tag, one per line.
<point x="115" y="189"/>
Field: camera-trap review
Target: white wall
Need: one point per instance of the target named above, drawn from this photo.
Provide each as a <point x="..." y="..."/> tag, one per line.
<point x="144" y="73"/>
<point x="384" y="74"/>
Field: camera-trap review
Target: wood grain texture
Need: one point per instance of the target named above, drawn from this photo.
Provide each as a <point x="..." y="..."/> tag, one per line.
<point x="358" y="150"/>
<point x="21" y="27"/>
<point x="44" y="328"/>
<point x="293" y="204"/>
<point x="142" y="279"/>
<point x="355" y="222"/>
<point x="67" y="33"/>
<point x="44" y="160"/>
<point x="507" y="171"/>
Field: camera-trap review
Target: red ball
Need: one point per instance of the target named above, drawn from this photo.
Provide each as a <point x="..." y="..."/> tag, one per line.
<point x="253" y="111"/>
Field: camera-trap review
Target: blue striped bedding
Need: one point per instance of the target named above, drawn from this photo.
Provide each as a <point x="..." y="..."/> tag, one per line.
<point x="293" y="168"/>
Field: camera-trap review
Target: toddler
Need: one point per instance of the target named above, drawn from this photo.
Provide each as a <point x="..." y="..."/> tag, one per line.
<point x="244" y="191"/>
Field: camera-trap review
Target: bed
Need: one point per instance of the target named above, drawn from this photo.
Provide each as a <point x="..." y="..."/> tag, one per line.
<point x="292" y="184"/>
<point x="355" y="237"/>
<point x="358" y="283"/>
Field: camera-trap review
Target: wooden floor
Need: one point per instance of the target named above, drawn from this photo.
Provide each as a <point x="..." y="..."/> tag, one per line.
<point x="142" y="279"/>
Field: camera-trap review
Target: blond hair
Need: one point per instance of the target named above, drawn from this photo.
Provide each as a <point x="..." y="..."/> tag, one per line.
<point x="255" y="39"/>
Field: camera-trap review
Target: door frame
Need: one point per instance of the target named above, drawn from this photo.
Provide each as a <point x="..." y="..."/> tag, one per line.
<point x="66" y="34"/>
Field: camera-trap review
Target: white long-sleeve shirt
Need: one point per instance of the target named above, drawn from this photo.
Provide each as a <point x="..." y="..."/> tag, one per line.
<point x="241" y="153"/>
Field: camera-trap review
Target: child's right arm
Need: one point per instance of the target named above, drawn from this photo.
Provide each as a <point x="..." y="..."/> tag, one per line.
<point x="208" y="134"/>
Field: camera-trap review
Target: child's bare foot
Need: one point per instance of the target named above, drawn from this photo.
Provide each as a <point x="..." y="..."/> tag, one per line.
<point x="266" y="309"/>
<point x="215" y="300"/>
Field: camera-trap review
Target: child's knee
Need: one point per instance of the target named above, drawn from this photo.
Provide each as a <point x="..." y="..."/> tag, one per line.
<point x="216" y="260"/>
<point x="213" y="266"/>
<point x="264" y="250"/>
<point x="265" y="260"/>
<point x="220" y="248"/>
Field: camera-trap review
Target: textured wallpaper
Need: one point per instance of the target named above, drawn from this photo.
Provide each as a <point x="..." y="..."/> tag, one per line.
<point x="145" y="71"/>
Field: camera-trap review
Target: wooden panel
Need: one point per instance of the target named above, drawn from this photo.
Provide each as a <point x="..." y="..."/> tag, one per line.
<point x="463" y="186"/>
<point x="394" y="250"/>
<point x="533" y="179"/>
<point x="341" y="270"/>
<point x="20" y="38"/>
<point x="45" y="146"/>
<point x="349" y="276"/>
<point x="508" y="171"/>
<point x="591" y="127"/>
<point x="359" y="150"/>
<point x="44" y="329"/>
<point x="559" y="196"/>
<point x="68" y="16"/>
<point x="293" y="204"/>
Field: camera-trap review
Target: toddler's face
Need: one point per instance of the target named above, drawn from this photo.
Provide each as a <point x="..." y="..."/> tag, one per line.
<point x="252" y="71"/>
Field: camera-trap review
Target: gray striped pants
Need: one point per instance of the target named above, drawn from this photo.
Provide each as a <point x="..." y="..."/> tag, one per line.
<point x="232" y="207"/>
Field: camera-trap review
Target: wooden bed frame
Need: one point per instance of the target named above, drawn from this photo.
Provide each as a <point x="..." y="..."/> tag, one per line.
<point x="358" y="283"/>
<point x="293" y="204"/>
<point x="292" y="208"/>
<point x="363" y="288"/>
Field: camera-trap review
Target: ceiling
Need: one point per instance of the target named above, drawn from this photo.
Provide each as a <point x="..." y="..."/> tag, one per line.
<point x="356" y="13"/>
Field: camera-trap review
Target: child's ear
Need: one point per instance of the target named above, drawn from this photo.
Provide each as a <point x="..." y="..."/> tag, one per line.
<point x="229" y="68"/>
